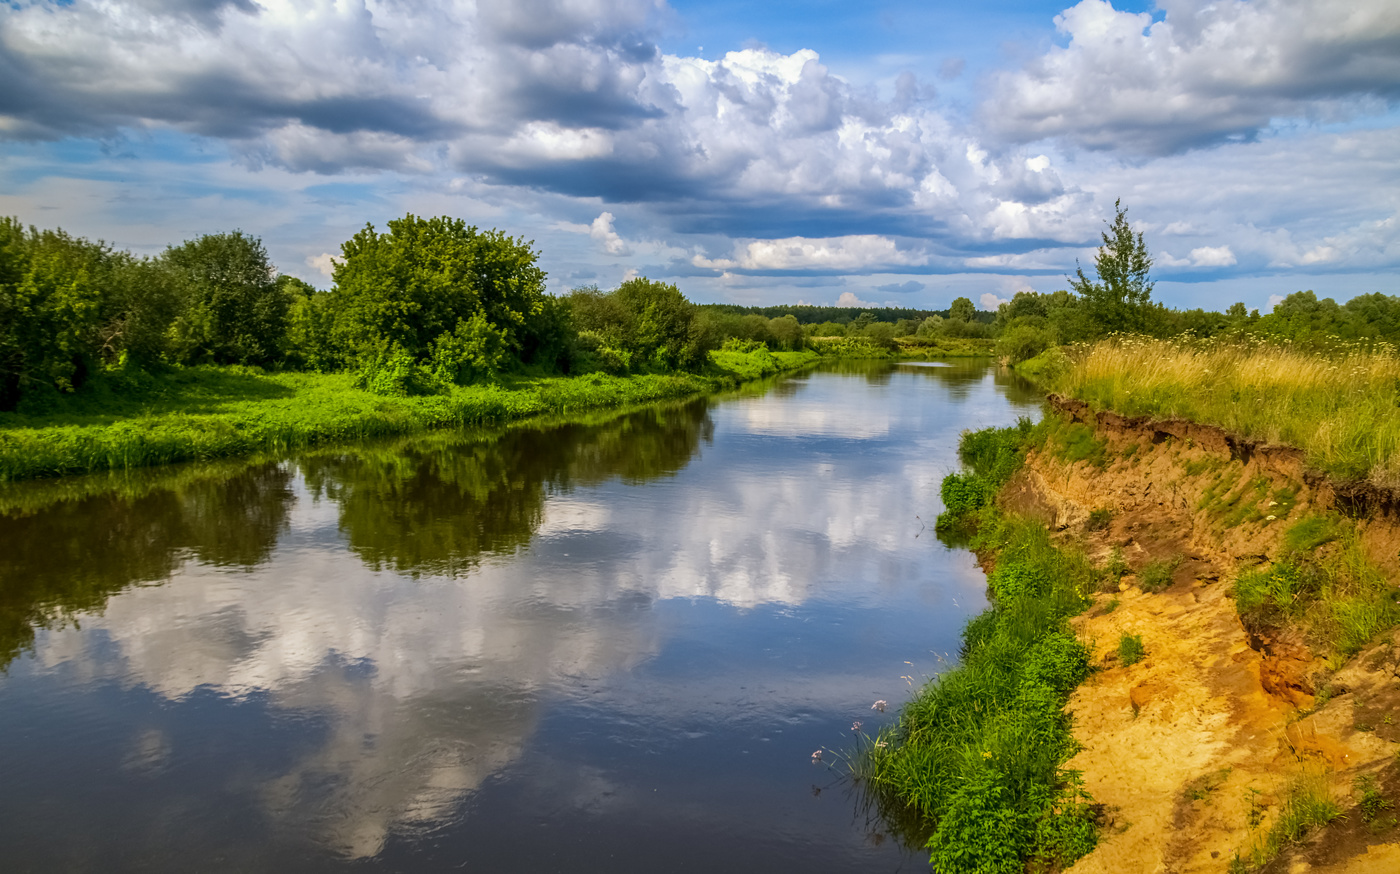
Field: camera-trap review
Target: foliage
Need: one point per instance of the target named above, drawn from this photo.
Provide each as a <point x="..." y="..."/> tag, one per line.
<point x="1121" y="298"/>
<point x="1310" y="532"/>
<point x="1099" y="519"/>
<point x="234" y="311"/>
<point x="1046" y="367"/>
<point x="1336" y="594"/>
<point x="992" y="456"/>
<point x="962" y="310"/>
<point x="408" y="287"/>
<point x="978" y="754"/>
<point x="647" y="325"/>
<point x="1307" y="805"/>
<point x="49" y="310"/>
<point x="1022" y="344"/>
<point x="395" y="373"/>
<point x="1130" y="649"/>
<point x="1370" y="801"/>
<point x="206" y="412"/>
<point x="473" y="352"/>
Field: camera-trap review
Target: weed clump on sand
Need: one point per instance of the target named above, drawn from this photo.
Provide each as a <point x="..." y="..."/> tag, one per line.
<point x="1308" y="805"/>
<point x="1130" y="649"/>
<point x="1335" y="593"/>
<point x="1098" y="519"/>
<point x="977" y="757"/>
<point x="1156" y="576"/>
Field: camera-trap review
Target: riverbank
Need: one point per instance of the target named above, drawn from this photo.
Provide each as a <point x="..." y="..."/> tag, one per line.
<point x="1240" y="714"/>
<point x="205" y="413"/>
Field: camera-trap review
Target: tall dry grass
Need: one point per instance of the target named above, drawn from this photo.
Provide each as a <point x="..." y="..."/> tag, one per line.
<point x="1340" y="406"/>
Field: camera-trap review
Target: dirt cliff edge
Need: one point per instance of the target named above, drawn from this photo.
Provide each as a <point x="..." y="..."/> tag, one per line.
<point x="1193" y="750"/>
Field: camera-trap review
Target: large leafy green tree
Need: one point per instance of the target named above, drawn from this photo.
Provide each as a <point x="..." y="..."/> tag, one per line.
<point x="425" y="279"/>
<point x="962" y="309"/>
<point x="1121" y="298"/>
<point x="50" y="307"/>
<point x="234" y="311"/>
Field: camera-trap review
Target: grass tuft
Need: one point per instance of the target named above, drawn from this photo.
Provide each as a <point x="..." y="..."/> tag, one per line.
<point x="1156" y="576"/>
<point x="1130" y="649"/>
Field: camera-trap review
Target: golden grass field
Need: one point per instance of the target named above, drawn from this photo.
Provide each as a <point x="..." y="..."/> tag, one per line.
<point x="1340" y="406"/>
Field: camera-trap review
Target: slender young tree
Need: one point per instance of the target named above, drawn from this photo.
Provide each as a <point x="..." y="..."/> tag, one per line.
<point x="1121" y="299"/>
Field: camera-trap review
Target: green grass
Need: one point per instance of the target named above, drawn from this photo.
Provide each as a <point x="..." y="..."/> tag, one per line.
<point x="1331" y="589"/>
<point x="1098" y="519"/>
<point x="204" y="413"/>
<point x="1369" y="800"/>
<point x="1310" y="532"/>
<point x="1130" y="649"/>
<point x="1308" y="805"/>
<point x="1156" y="576"/>
<point x="1072" y="441"/>
<point x="976" y="759"/>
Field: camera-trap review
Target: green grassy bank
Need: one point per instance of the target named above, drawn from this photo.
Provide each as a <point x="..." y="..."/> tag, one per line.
<point x="205" y="413"/>
<point x="976" y="759"/>
<point x="1340" y="404"/>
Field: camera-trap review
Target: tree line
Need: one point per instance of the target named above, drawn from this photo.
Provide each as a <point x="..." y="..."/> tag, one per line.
<point x="429" y="302"/>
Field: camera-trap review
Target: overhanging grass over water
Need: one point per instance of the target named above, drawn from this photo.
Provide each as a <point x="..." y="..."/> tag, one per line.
<point x="1341" y="406"/>
<point x="208" y="413"/>
<point x="977" y="757"/>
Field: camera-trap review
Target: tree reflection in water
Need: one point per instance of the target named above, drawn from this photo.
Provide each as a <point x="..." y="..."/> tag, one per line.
<point x="435" y="505"/>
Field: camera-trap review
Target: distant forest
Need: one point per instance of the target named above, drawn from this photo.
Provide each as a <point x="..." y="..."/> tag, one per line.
<point x="809" y="314"/>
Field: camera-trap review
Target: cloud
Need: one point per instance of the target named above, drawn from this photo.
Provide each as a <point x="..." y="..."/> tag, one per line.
<point x="572" y="97"/>
<point x="910" y="287"/>
<point x="325" y="263"/>
<point x="1274" y="300"/>
<point x="602" y="231"/>
<point x="990" y="301"/>
<point x="1206" y="73"/>
<point x="849" y="299"/>
<point x="1203" y="256"/>
<point x="1212" y="256"/>
<point x="856" y="253"/>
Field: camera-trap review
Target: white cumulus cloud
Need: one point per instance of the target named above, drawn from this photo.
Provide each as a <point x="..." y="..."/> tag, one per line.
<point x="1208" y="71"/>
<point x="606" y="235"/>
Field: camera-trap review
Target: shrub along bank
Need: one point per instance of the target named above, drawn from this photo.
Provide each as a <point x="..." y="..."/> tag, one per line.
<point x="977" y="757"/>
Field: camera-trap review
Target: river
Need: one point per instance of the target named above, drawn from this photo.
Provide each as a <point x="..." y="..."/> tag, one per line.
<point x="602" y="646"/>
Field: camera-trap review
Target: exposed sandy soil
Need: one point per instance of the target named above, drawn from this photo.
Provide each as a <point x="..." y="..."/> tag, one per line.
<point x="1192" y="749"/>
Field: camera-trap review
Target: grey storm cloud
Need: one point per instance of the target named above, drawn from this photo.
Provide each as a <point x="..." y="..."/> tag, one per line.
<point x="910" y="287"/>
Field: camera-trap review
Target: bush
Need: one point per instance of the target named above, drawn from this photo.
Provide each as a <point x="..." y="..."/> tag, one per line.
<point x="978" y="754"/>
<point x="234" y="311"/>
<point x="473" y="352"/>
<point x="1022" y="344"/>
<point x="395" y="373"/>
<point x="1046" y="367"/>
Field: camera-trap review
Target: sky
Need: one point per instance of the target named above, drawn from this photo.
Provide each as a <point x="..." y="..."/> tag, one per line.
<point x="886" y="153"/>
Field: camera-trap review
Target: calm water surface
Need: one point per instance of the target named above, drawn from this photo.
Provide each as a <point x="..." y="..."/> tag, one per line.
<point x="604" y="647"/>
